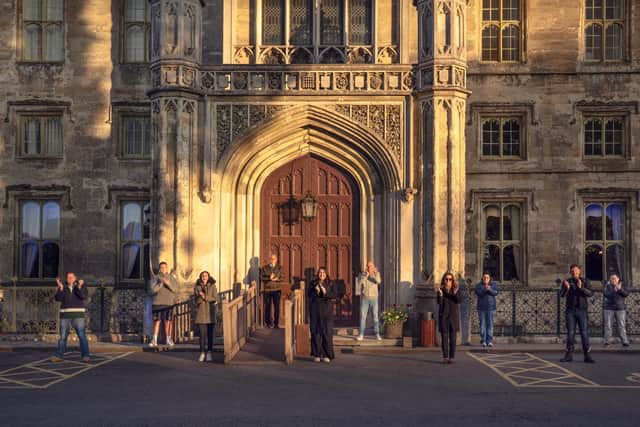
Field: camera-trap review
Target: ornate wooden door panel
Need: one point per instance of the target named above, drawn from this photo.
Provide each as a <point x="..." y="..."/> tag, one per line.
<point x="330" y="240"/>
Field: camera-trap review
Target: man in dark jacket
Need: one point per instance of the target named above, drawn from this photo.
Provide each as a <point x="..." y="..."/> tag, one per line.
<point x="486" y="291"/>
<point x="271" y="276"/>
<point x="614" y="295"/>
<point x="72" y="296"/>
<point x="577" y="290"/>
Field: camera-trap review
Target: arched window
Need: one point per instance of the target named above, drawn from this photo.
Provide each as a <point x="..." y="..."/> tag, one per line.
<point x="502" y="30"/>
<point x="605" y="30"/>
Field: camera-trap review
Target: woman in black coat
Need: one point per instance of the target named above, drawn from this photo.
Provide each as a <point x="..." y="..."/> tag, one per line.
<point x="448" y="315"/>
<point x="321" y="294"/>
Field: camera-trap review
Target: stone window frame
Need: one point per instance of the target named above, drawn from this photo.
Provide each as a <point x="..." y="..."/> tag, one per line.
<point x="605" y="118"/>
<point x="502" y="120"/>
<point x="315" y="48"/>
<point x="585" y="110"/>
<point x="502" y="24"/>
<point x="524" y="198"/>
<point x="124" y="25"/>
<point x="20" y="27"/>
<point x="604" y="23"/>
<point x="501" y="242"/>
<point x="526" y="112"/>
<point x="129" y="109"/>
<point x="604" y="202"/>
<point x="18" y="109"/>
<point x="628" y="197"/>
<point x="142" y="200"/>
<point x="15" y="196"/>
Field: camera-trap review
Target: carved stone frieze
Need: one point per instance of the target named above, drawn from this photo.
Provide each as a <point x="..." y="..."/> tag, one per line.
<point x="275" y="80"/>
<point x="235" y="120"/>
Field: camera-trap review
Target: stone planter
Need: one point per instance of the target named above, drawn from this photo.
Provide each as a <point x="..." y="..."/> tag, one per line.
<point x="393" y="330"/>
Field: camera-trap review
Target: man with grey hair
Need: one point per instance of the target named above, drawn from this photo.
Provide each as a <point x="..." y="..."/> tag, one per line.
<point x="614" y="296"/>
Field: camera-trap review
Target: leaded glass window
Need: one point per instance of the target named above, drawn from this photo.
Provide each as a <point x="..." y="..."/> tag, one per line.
<point x="136" y="136"/>
<point x="502" y="240"/>
<point x="502" y="30"/>
<point x="40" y="242"/>
<point x="331" y="22"/>
<point x="42" y="30"/>
<point x="360" y="22"/>
<point x="301" y="18"/>
<point x="501" y="137"/>
<point x="605" y="30"/>
<point x="137" y="30"/>
<point x="273" y="22"/>
<point x="605" y="240"/>
<point x="40" y="135"/>
<point x="133" y="251"/>
<point x="604" y="136"/>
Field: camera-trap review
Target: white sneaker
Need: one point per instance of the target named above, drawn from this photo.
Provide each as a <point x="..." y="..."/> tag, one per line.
<point x="378" y="337"/>
<point x="316" y="359"/>
<point x="209" y="356"/>
<point x="170" y="342"/>
<point x="153" y="343"/>
<point x="326" y="360"/>
<point x="359" y="338"/>
<point x="201" y="358"/>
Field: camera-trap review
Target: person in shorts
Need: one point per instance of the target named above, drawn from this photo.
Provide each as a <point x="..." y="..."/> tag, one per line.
<point x="163" y="289"/>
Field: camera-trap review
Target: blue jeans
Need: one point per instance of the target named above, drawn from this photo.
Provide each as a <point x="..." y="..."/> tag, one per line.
<point x="79" y="325"/>
<point x="579" y="318"/>
<point x="365" y="303"/>
<point x="486" y="325"/>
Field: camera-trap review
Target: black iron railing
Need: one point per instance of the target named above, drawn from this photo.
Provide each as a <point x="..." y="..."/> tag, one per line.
<point x="526" y="311"/>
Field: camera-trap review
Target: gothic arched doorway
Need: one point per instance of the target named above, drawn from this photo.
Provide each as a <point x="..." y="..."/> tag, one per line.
<point x="331" y="239"/>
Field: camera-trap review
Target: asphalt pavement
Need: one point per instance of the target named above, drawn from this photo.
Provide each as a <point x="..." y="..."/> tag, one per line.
<point x="359" y="389"/>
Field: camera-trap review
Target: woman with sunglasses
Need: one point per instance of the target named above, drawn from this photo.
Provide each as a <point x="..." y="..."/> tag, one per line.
<point x="448" y="315"/>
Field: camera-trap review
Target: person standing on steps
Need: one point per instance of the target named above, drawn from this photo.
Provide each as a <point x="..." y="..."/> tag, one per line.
<point x="614" y="295"/>
<point x="271" y="276"/>
<point x="369" y="282"/>
<point x="163" y="287"/>
<point x="321" y="294"/>
<point x="577" y="290"/>
<point x="448" y="315"/>
<point x="72" y="296"/>
<point x="486" y="291"/>
<point x="206" y="295"/>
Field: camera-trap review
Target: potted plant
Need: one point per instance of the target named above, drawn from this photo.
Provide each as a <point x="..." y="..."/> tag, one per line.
<point x="393" y="319"/>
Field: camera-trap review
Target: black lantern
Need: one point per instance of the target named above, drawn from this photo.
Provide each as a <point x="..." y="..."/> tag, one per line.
<point x="309" y="207"/>
<point x="290" y="211"/>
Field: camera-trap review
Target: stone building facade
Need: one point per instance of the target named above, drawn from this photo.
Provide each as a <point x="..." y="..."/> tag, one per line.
<point x="461" y="135"/>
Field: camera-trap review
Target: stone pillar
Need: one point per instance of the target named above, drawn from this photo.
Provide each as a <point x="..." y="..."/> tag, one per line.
<point x="441" y="96"/>
<point x="176" y="54"/>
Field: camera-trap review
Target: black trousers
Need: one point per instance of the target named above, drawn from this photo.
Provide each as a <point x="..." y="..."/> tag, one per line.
<point x="269" y="298"/>
<point x="322" y="344"/>
<point x="448" y="337"/>
<point x="206" y="336"/>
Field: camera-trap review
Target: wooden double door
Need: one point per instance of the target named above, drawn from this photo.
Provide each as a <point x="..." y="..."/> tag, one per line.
<point x="330" y="240"/>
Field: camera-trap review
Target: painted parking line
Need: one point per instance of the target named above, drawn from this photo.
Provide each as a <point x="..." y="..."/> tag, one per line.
<point x="43" y="373"/>
<point x="527" y="370"/>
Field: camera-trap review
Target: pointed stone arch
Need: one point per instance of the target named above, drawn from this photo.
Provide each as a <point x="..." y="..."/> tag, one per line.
<point x="245" y="165"/>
